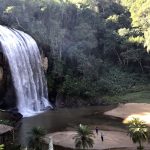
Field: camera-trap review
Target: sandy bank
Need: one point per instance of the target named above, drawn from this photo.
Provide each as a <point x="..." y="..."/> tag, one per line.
<point x="112" y="139"/>
<point x="130" y="110"/>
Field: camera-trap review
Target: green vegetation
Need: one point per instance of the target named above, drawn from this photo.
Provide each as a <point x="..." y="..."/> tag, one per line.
<point x="137" y="97"/>
<point x="140" y="14"/>
<point x="2" y="147"/>
<point x="84" y="137"/>
<point x="7" y="122"/>
<point x="138" y="131"/>
<point x="94" y="47"/>
<point x="14" y="146"/>
<point x="138" y="94"/>
<point x="35" y="138"/>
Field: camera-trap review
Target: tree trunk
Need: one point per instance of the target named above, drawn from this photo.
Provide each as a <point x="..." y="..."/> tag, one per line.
<point x="140" y="145"/>
<point x="141" y="66"/>
<point x="119" y="58"/>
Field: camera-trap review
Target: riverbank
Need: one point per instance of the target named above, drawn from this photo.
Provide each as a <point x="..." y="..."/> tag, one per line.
<point x="131" y="110"/>
<point x="112" y="140"/>
<point x="115" y="138"/>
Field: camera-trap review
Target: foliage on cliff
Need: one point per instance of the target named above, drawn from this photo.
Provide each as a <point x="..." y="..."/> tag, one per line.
<point x="94" y="47"/>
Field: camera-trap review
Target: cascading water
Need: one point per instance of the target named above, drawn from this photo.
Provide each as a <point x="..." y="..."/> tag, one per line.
<point x="24" y="60"/>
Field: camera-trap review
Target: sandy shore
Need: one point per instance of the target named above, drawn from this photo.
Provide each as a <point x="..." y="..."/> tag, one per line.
<point x="112" y="139"/>
<point x="130" y="110"/>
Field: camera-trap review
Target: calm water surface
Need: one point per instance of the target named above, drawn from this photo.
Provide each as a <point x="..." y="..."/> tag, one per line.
<point x="65" y="119"/>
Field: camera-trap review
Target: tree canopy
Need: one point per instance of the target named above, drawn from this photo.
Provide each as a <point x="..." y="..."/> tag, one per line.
<point x="93" y="47"/>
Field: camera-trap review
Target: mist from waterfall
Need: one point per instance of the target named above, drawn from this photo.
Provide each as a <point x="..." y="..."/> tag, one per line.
<point x="25" y="64"/>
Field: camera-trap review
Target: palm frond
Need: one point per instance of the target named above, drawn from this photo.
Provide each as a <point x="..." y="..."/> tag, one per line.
<point x="84" y="137"/>
<point x="138" y="131"/>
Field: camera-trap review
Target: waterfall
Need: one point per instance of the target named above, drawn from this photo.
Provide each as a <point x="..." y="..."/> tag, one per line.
<point x="28" y="77"/>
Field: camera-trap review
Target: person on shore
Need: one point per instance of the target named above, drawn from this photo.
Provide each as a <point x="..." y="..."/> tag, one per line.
<point x="102" y="137"/>
<point x="96" y="130"/>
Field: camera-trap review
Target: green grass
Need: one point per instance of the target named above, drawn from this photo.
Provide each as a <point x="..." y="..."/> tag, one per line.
<point x="140" y="95"/>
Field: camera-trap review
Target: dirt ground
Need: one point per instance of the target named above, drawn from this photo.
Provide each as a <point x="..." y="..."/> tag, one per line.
<point x="113" y="139"/>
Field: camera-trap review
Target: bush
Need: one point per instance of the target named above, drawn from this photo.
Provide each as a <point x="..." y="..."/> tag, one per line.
<point x="7" y="122"/>
<point x="82" y="87"/>
<point x="112" y="81"/>
<point x="115" y="81"/>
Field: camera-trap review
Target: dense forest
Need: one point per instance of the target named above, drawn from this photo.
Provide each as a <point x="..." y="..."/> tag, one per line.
<point x="94" y="47"/>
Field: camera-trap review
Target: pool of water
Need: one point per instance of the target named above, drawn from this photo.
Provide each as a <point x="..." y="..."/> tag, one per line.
<point x="67" y="119"/>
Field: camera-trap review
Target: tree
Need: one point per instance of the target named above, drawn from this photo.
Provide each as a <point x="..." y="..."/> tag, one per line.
<point x="139" y="131"/>
<point x="84" y="139"/>
<point x="83" y="38"/>
<point x="140" y="14"/>
<point x="35" y="137"/>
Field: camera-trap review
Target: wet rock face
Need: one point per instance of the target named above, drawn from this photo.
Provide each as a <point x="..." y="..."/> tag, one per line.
<point x="2" y="82"/>
<point x="1" y="68"/>
<point x="44" y="60"/>
<point x="1" y="73"/>
<point x="7" y="91"/>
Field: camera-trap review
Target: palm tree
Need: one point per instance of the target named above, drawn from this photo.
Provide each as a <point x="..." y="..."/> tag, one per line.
<point x="35" y="137"/>
<point x="139" y="131"/>
<point x="84" y="139"/>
